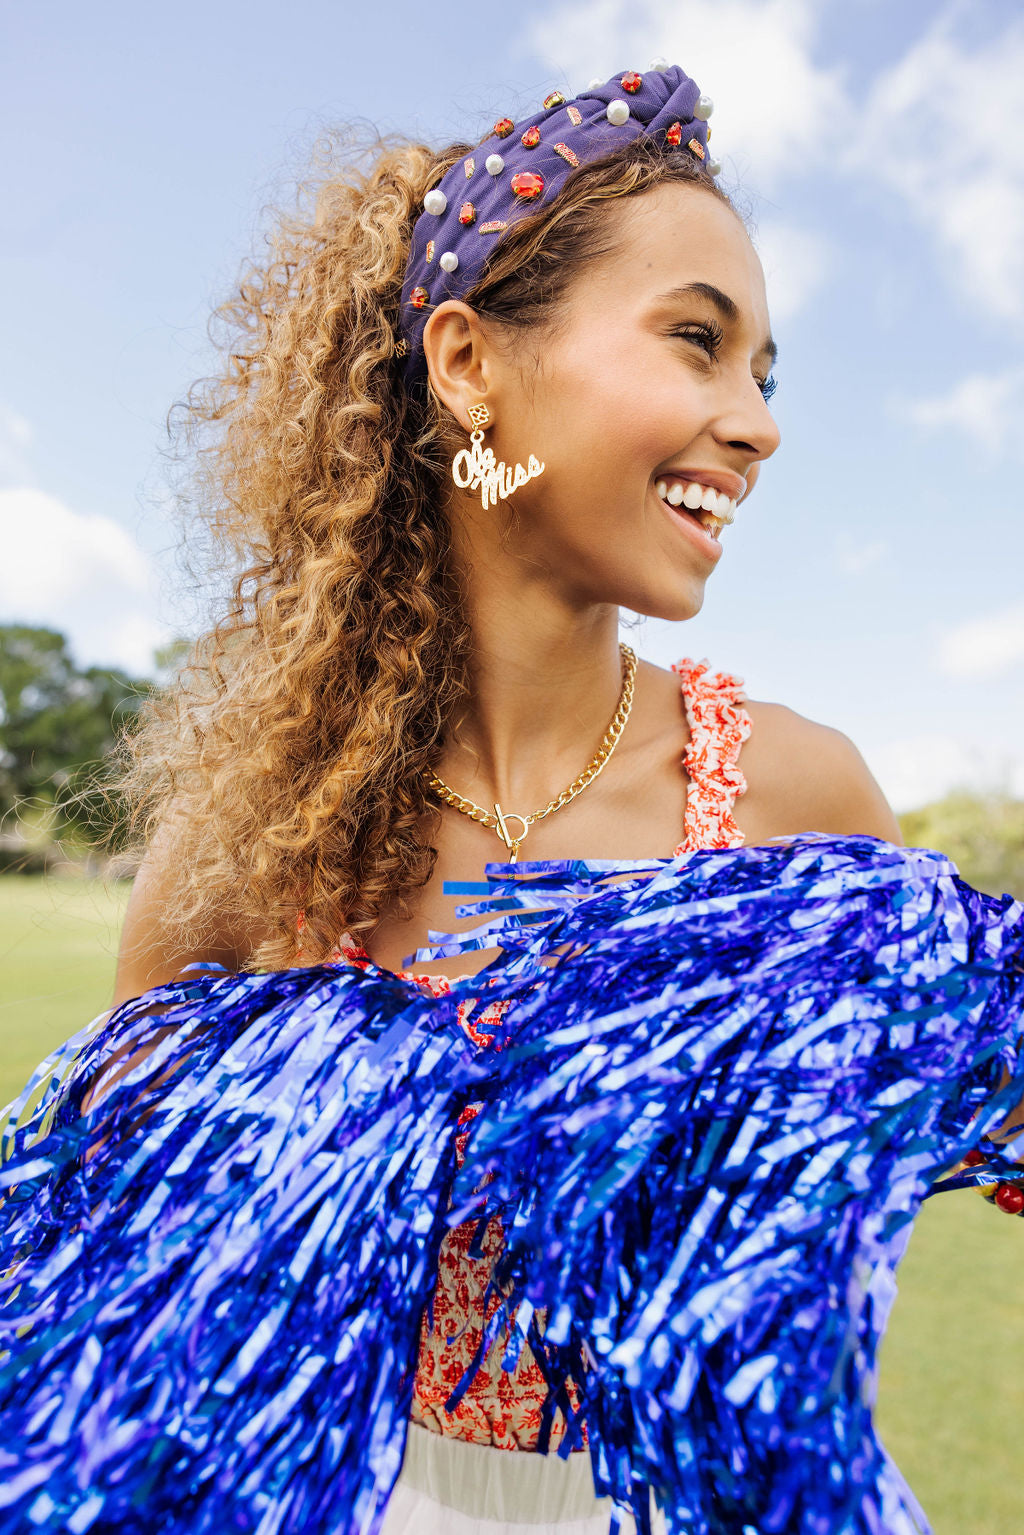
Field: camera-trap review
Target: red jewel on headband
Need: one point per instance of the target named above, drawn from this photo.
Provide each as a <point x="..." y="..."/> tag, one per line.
<point x="975" y="1158"/>
<point x="467" y="214"/>
<point x="556" y="99"/>
<point x="567" y="154"/>
<point x="527" y="186"/>
<point x="674" y="134"/>
<point x="531" y="138"/>
<point x="418" y="297"/>
<point x="632" y="82"/>
<point x="697" y="147"/>
<point x="503" y="127"/>
<point x="1010" y="1198"/>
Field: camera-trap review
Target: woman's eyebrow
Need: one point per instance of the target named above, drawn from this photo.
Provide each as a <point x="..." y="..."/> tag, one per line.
<point x="727" y="308"/>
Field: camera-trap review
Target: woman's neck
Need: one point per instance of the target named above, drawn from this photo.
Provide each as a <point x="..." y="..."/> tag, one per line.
<point x="543" y="691"/>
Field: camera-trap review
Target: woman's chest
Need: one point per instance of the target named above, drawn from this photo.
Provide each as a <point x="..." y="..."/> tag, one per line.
<point x="674" y="789"/>
<point x="638" y="813"/>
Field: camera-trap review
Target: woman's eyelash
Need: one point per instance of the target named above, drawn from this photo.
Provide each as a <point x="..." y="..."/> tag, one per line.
<point x="711" y="334"/>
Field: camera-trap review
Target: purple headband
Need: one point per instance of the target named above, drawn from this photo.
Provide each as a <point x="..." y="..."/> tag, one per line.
<point x="522" y="165"/>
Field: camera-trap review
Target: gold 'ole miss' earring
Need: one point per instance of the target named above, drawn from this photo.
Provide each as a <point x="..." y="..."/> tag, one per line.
<point x="476" y="468"/>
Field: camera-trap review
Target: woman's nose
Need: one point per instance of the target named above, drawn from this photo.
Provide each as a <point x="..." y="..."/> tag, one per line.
<point x="751" y="429"/>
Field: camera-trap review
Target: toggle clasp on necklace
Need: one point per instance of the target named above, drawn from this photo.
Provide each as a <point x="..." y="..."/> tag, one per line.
<point x="512" y="843"/>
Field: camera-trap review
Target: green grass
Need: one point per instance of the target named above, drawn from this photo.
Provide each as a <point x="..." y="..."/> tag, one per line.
<point x="58" y="947"/>
<point x="952" y="1390"/>
<point x="951" y="1398"/>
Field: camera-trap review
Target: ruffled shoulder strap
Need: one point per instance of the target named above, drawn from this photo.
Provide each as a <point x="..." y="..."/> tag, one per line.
<point x="719" y="724"/>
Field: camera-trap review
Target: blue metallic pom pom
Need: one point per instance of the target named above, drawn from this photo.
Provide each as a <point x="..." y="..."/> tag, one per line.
<point x="725" y="1083"/>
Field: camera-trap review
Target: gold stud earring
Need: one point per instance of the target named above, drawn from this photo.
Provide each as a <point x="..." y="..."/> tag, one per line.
<point x="476" y="468"/>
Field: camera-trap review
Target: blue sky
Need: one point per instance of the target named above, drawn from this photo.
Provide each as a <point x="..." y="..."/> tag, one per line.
<point x="873" y="580"/>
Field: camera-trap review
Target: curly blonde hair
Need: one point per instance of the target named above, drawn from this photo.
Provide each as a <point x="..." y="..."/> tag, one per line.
<point x="283" y="767"/>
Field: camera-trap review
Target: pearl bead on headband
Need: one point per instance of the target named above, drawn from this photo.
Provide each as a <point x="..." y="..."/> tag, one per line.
<point x="524" y="164"/>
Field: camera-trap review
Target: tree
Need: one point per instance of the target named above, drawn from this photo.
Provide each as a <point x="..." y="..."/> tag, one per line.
<point x="982" y="833"/>
<point x="56" y="721"/>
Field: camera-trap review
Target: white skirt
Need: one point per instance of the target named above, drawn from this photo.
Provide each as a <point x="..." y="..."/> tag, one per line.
<point x="452" y="1487"/>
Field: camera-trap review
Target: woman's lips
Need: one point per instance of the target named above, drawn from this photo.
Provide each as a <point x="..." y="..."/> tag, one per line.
<point x="703" y="539"/>
<point x="725" y="480"/>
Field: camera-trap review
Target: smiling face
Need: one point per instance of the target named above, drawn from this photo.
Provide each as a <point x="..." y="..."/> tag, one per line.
<point x="648" y="384"/>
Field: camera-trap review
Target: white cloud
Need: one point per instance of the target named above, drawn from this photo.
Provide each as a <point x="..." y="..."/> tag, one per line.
<point x="919" y="769"/>
<point x="796" y="263"/>
<point x="83" y="575"/>
<point x="752" y="57"/>
<point x="987" y="407"/>
<point x="984" y="647"/>
<point x="944" y="127"/>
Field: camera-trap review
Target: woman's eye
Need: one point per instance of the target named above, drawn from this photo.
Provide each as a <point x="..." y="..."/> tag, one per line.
<point x="710" y="337"/>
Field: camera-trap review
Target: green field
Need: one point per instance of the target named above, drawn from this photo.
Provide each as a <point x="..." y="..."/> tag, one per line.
<point x="58" y="944"/>
<point x="952" y="1391"/>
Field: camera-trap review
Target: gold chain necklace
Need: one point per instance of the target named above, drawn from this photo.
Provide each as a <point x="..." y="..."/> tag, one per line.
<point x="499" y="820"/>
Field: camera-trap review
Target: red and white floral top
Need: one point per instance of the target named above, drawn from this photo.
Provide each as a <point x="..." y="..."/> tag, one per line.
<point x="503" y="1408"/>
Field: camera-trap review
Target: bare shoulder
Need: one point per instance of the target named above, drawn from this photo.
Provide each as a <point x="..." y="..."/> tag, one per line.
<point x="145" y="957"/>
<point x="805" y="776"/>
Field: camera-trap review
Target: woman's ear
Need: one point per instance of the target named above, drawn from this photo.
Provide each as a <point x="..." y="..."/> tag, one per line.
<point x="459" y="358"/>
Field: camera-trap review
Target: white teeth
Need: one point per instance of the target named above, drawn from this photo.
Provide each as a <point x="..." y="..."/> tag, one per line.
<point x="699" y="498"/>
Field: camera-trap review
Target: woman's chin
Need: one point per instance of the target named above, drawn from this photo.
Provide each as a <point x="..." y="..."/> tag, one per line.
<point x="684" y="600"/>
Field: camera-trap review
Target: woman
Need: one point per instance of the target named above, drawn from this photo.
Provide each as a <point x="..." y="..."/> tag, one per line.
<point x="425" y="636"/>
